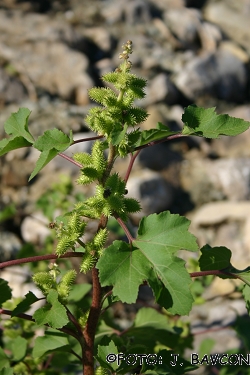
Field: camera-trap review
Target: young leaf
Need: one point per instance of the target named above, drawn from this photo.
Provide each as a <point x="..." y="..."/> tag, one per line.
<point x="51" y="340"/>
<point x="5" y="294"/>
<point x="206" y="123"/>
<point x="214" y="258"/>
<point x="17" y="124"/>
<point x="53" y="314"/>
<point x="24" y="305"/>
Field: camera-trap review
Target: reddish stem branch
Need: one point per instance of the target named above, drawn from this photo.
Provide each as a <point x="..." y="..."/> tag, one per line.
<point x="168" y="138"/>
<point x="131" y="163"/>
<point x="38" y="258"/>
<point x="213" y="272"/>
<point x="124" y="227"/>
<point x="88" y="139"/>
<point x="90" y="328"/>
<point x="70" y="159"/>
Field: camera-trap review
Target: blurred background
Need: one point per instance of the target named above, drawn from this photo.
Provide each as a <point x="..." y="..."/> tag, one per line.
<point x="190" y="51"/>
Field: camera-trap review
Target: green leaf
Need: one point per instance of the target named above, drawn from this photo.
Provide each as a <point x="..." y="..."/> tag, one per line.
<point x="17" y="125"/>
<point x="214" y="258"/>
<point x="102" y="353"/>
<point x="4" y="360"/>
<point x="24" y="305"/>
<point x="52" y="340"/>
<point x="206" y="123"/>
<point x="6" y="371"/>
<point x="5" y="294"/>
<point x="53" y="139"/>
<point x="51" y="143"/>
<point x="12" y="143"/>
<point x="53" y="314"/>
<point x="19" y="347"/>
<point x="44" y="159"/>
<point x="123" y="268"/>
<point x="165" y="231"/>
<point x="78" y="291"/>
<point x="151" y="258"/>
<point x="152" y="135"/>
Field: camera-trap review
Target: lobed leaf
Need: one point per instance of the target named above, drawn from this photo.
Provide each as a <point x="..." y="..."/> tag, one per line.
<point x="17" y="124"/>
<point x="206" y="123"/>
<point x="53" y="314"/>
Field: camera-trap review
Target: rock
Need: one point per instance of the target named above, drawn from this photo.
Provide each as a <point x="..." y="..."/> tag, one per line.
<point x="208" y="180"/>
<point x="34" y="229"/>
<point x="225" y="224"/>
<point x="10" y="244"/>
<point x="160" y="89"/>
<point x="154" y="193"/>
<point x="220" y="74"/>
<point x="186" y="31"/>
<point x="232" y="18"/>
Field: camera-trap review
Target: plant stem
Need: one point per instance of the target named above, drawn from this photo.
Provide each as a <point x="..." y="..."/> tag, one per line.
<point x="38" y="258"/>
<point x="88" y="139"/>
<point x="165" y="139"/>
<point x="90" y="328"/>
<point x="70" y="159"/>
<point x="131" y="163"/>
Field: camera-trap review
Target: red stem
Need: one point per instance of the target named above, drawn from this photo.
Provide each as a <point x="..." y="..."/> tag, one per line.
<point x="38" y="258"/>
<point x="70" y="159"/>
<point x="90" y="328"/>
<point x="168" y="138"/>
<point x="131" y="163"/>
<point x="214" y="272"/>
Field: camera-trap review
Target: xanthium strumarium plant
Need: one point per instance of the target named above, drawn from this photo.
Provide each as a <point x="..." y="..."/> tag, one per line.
<point x="78" y="330"/>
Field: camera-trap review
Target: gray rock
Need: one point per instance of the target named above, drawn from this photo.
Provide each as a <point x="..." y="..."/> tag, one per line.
<point x="9" y="246"/>
<point x="232" y="17"/>
<point x="220" y="74"/>
<point x="154" y="193"/>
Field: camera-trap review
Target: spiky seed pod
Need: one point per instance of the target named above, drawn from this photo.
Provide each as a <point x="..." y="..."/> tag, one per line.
<point x="64" y="286"/>
<point x="98" y="158"/>
<point x="44" y="281"/>
<point x="103" y="95"/>
<point x="88" y="262"/>
<point x="116" y="203"/>
<point x="100" y="238"/>
<point x="83" y="319"/>
<point x="131" y="205"/>
<point x="116" y="184"/>
<point x="65" y="243"/>
<point x="83" y="158"/>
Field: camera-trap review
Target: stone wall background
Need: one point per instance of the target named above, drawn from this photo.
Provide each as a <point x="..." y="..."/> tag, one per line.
<point x="52" y="52"/>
